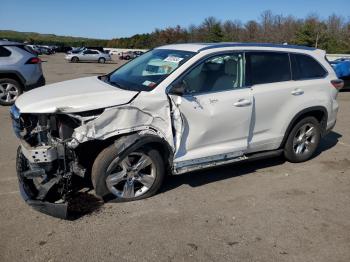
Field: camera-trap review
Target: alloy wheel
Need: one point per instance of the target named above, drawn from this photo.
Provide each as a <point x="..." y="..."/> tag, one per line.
<point x="305" y="139"/>
<point x="131" y="177"/>
<point x="8" y="92"/>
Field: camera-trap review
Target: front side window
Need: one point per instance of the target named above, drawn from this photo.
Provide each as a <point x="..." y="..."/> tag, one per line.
<point x="267" y="67"/>
<point x="148" y="70"/>
<point x="218" y="73"/>
<point x="305" y="67"/>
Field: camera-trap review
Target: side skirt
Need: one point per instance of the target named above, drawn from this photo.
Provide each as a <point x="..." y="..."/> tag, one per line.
<point x="220" y="160"/>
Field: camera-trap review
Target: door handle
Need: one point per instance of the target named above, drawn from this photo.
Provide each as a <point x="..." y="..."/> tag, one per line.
<point x="297" y="92"/>
<point x="242" y="102"/>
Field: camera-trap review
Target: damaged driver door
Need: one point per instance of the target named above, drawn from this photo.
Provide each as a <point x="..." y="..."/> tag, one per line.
<point x="216" y="110"/>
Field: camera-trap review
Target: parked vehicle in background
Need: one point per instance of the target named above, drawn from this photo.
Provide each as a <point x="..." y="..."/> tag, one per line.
<point x="46" y="50"/>
<point x="175" y="109"/>
<point x="20" y="70"/>
<point x="79" y="49"/>
<point x="99" y="48"/>
<point x="127" y="55"/>
<point x="63" y="49"/>
<point x="138" y="53"/>
<point x="36" y="49"/>
<point x="341" y="67"/>
<point x="88" y="55"/>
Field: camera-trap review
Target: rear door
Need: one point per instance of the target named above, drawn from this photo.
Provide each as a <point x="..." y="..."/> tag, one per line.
<point x="275" y="96"/>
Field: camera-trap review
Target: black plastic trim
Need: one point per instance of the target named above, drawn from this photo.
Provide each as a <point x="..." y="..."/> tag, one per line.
<point x="18" y="74"/>
<point x="222" y="45"/>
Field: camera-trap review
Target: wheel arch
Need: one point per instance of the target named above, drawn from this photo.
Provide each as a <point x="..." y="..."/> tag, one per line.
<point x="319" y="112"/>
<point x="125" y="144"/>
<point x="13" y="75"/>
<point x="128" y="143"/>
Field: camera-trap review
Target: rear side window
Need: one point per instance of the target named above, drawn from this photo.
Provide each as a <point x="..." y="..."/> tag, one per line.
<point x="267" y="67"/>
<point x="4" y="52"/>
<point x="305" y="67"/>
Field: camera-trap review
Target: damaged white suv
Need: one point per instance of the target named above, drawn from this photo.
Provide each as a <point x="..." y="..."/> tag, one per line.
<point x="175" y="109"/>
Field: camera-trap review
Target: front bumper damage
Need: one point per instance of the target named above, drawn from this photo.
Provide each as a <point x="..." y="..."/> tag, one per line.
<point x="59" y="210"/>
<point x="35" y="196"/>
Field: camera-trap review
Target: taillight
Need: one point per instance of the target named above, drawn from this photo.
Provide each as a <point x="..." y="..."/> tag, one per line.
<point x="338" y="83"/>
<point x="34" y="60"/>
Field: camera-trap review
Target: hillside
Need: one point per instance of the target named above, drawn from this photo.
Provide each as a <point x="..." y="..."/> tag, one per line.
<point x="53" y="39"/>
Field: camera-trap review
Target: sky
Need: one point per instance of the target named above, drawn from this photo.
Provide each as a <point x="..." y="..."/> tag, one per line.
<point x="108" y="19"/>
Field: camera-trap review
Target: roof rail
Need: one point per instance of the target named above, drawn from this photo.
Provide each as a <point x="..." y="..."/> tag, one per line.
<point x="221" y="45"/>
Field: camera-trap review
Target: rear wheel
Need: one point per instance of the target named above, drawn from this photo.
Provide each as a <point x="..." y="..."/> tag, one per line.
<point x="75" y="59"/>
<point x="303" y="140"/>
<point x="102" y="60"/>
<point x="138" y="175"/>
<point x="9" y="91"/>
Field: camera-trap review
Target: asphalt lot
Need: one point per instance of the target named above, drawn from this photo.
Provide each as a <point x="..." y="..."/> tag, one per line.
<point x="269" y="210"/>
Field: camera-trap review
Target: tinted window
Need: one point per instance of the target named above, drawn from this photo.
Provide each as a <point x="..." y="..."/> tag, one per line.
<point x="219" y="73"/>
<point x="4" y="52"/>
<point x="267" y="67"/>
<point x="305" y="67"/>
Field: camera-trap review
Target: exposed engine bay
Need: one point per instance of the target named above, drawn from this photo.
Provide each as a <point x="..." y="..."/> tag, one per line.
<point x="47" y="163"/>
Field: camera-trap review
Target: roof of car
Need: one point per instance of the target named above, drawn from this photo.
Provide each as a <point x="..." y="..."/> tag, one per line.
<point x="5" y="42"/>
<point x="198" y="47"/>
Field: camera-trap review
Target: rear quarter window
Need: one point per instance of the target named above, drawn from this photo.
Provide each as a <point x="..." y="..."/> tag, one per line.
<point x="4" y="52"/>
<point x="305" y="67"/>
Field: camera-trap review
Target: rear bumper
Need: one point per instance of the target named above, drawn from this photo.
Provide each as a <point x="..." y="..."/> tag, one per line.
<point x="41" y="82"/>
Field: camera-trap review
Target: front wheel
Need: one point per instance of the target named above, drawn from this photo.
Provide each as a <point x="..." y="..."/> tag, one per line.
<point x="138" y="175"/>
<point x="75" y="59"/>
<point x="303" y="140"/>
<point x="102" y="60"/>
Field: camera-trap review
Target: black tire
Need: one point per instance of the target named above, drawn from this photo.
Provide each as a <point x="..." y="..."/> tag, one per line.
<point x="291" y="146"/>
<point x="75" y="59"/>
<point x="127" y="57"/>
<point x="102" y="60"/>
<point x="15" y="86"/>
<point x="103" y="161"/>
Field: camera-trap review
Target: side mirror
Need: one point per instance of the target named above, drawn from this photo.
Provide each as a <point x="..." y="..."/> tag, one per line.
<point x="178" y="88"/>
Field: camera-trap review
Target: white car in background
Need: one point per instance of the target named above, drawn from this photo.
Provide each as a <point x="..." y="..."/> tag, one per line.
<point x="175" y="109"/>
<point x="88" y="55"/>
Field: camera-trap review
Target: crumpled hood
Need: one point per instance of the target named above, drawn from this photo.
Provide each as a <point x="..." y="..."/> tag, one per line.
<point x="73" y="96"/>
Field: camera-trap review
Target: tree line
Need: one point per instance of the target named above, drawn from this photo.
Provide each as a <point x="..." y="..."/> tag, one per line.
<point x="331" y="34"/>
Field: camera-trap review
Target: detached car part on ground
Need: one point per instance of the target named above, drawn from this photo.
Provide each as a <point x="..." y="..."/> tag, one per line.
<point x="20" y="70"/>
<point x="173" y="110"/>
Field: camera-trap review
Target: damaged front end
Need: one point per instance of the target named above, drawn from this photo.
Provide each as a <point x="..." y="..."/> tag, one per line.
<point x="48" y="169"/>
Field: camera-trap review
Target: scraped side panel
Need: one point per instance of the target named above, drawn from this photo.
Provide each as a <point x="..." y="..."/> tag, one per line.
<point x="147" y="111"/>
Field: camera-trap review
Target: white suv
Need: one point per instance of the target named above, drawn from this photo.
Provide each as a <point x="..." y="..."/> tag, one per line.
<point x="175" y="109"/>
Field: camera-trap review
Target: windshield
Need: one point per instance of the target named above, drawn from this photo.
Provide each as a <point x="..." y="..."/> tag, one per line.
<point x="148" y="70"/>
